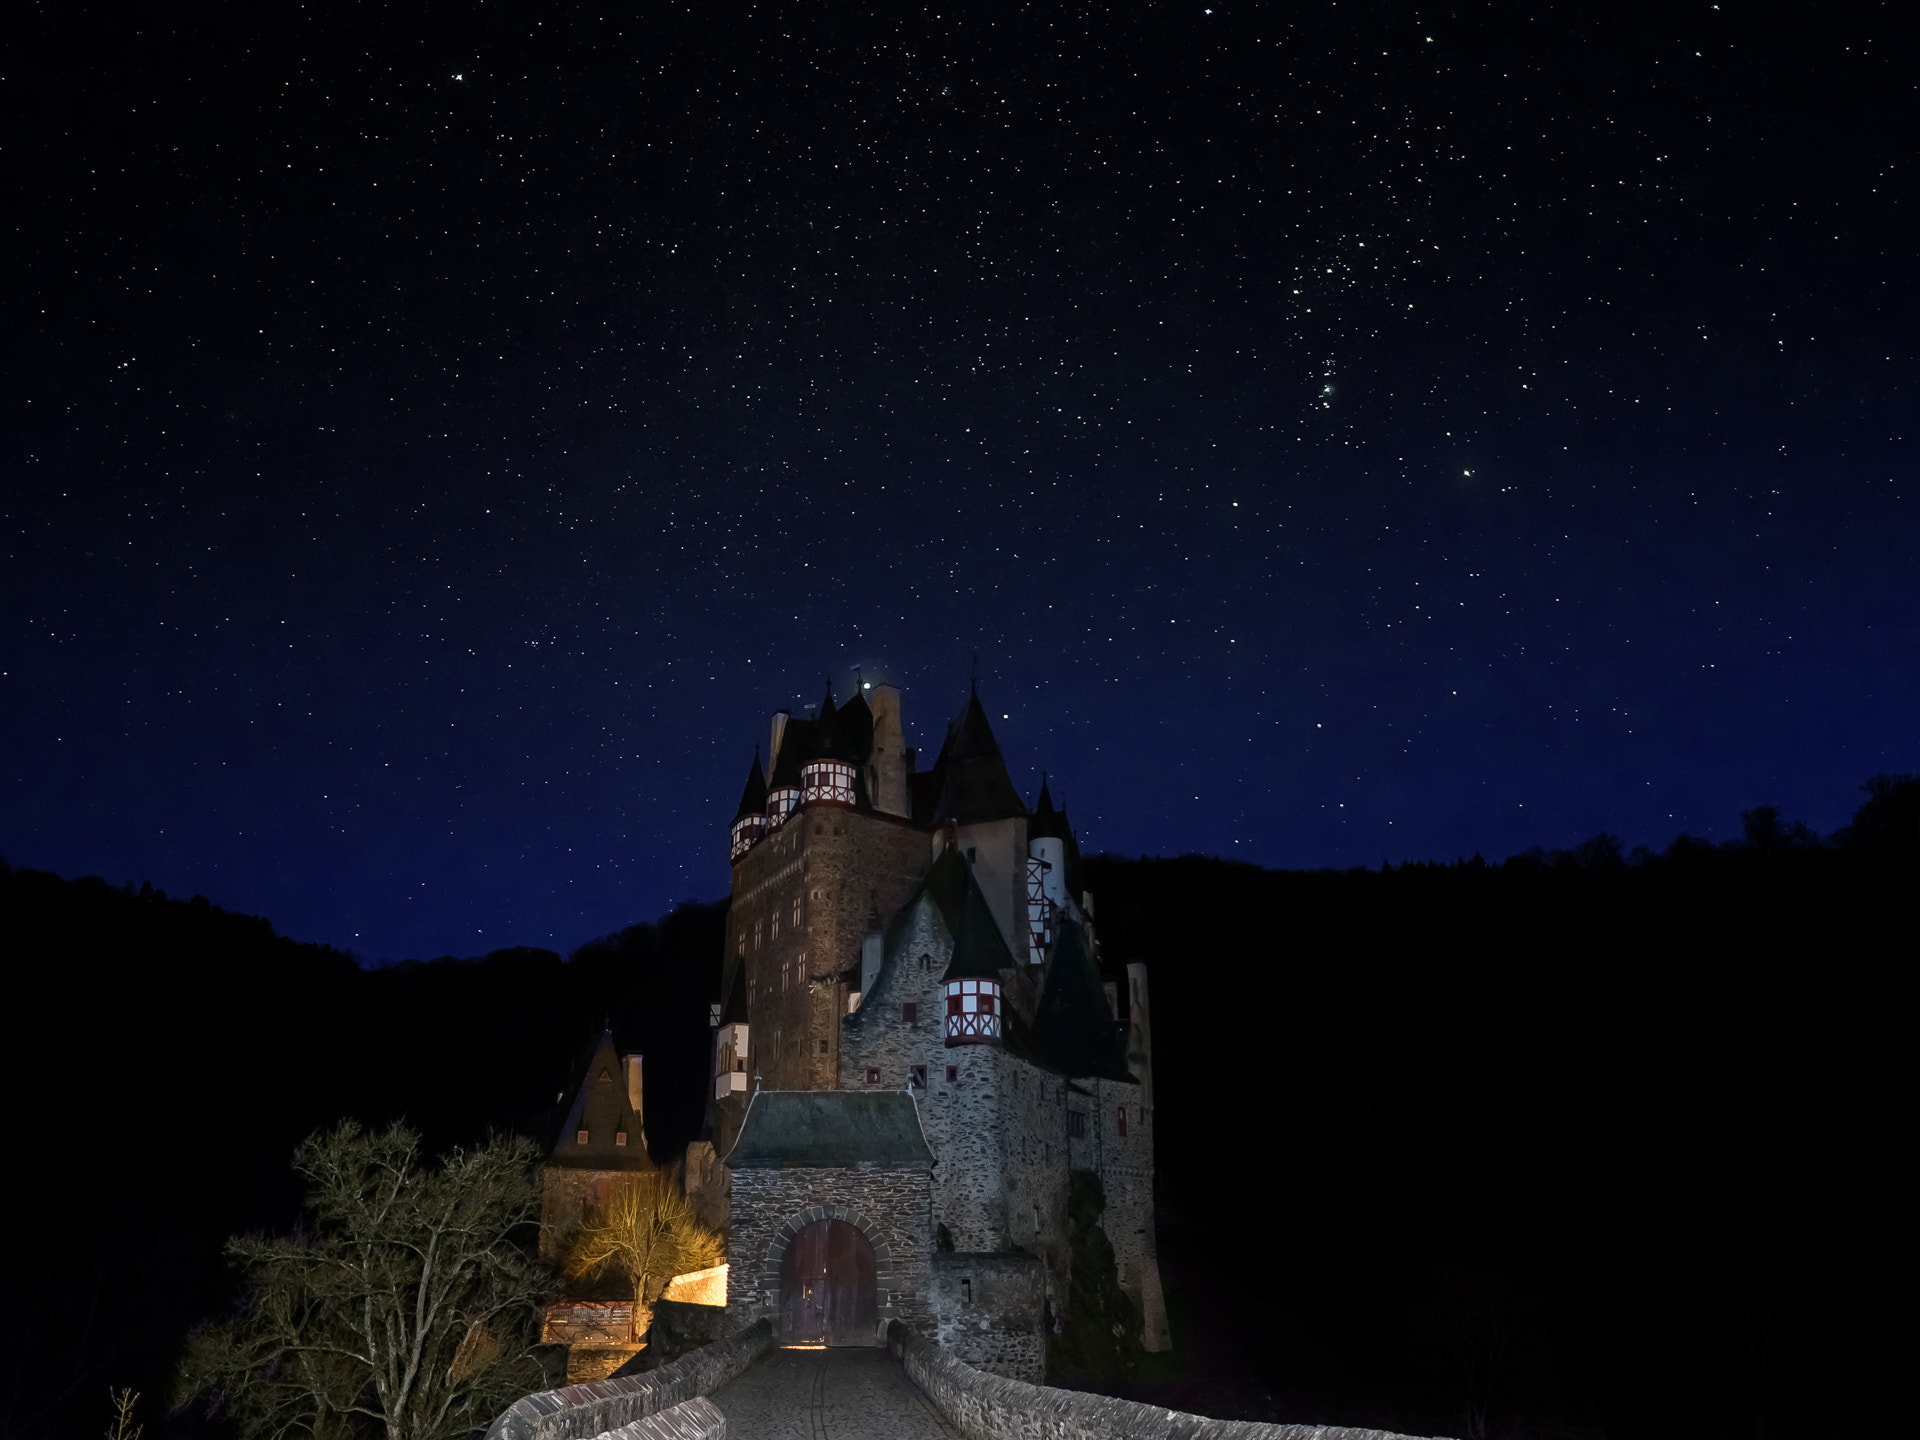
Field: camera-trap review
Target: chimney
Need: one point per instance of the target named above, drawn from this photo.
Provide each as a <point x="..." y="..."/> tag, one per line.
<point x="779" y="728"/>
<point x="870" y="955"/>
<point x="891" y="758"/>
<point x="633" y="1089"/>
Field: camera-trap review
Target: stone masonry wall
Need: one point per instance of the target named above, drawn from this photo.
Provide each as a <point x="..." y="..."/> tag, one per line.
<point x="892" y="1207"/>
<point x="993" y="1407"/>
<point x="575" y="1412"/>
<point x="1126" y="1175"/>
<point x="989" y="1310"/>
<point x="834" y="865"/>
<point x="998" y="1126"/>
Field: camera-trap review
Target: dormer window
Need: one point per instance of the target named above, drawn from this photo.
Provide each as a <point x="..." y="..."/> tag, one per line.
<point x="620" y="1136"/>
<point x="973" y="1012"/>
<point x="580" y="1137"/>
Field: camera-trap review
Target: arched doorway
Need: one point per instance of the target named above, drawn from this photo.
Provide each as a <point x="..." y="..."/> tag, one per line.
<point x="827" y="1287"/>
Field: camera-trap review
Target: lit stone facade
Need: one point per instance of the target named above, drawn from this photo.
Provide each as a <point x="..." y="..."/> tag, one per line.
<point x="852" y="924"/>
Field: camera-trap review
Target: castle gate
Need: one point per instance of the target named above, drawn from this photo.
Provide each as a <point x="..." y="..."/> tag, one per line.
<point x="827" y="1287"/>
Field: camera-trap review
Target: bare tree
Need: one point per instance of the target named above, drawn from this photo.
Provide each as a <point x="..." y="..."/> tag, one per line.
<point x="404" y="1307"/>
<point x="646" y="1233"/>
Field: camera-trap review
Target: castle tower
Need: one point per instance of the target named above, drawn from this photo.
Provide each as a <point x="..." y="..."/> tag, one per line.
<point x="602" y="1140"/>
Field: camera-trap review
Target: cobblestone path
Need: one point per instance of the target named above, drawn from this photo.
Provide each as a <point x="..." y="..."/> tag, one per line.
<point x="829" y="1395"/>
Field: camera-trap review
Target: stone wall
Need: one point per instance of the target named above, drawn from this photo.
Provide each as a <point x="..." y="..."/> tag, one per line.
<point x="1125" y="1164"/>
<point x="891" y="1207"/>
<point x="835" y="864"/>
<point x="993" y="1407"/>
<point x="989" y="1310"/>
<point x="694" y="1420"/>
<point x="575" y="1412"/>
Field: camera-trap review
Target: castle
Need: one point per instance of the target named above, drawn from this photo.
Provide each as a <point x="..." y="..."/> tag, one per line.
<point x="915" y="1050"/>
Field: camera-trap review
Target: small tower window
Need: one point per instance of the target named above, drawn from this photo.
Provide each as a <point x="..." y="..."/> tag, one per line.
<point x="1123" y="1122"/>
<point x="580" y="1137"/>
<point x="873" y="1075"/>
<point x="620" y="1138"/>
<point x="910" y="1012"/>
<point x="917" y="1076"/>
<point x="1076" y="1124"/>
<point x="953" y="1074"/>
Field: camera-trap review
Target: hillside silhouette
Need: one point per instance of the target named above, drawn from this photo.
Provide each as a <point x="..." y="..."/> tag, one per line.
<point x="1586" y="1142"/>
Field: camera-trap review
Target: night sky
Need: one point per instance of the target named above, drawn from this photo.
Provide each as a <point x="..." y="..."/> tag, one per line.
<point x="435" y="438"/>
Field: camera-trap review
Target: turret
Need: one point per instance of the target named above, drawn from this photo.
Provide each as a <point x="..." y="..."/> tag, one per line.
<point x="1046" y="873"/>
<point x="828" y="777"/>
<point x="750" y="820"/>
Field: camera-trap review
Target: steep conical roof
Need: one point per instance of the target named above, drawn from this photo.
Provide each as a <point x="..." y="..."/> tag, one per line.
<point x="753" y="799"/>
<point x="979" y="949"/>
<point x="970" y="780"/>
<point x="1072" y="1025"/>
<point x="798" y="741"/>
<point x="1047" y="823"/>
<point x="602" y="1109"/>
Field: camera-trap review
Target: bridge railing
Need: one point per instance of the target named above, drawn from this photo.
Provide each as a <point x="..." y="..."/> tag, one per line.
<point x="991" y="1407"/>
<point x="580" y="1412"/>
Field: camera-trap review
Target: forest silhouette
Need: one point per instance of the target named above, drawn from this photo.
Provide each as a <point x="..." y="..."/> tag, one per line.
<point x="1590" y="1141"/>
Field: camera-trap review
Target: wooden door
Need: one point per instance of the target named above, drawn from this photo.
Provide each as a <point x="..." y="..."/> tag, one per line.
<point x="827" y="1287"/>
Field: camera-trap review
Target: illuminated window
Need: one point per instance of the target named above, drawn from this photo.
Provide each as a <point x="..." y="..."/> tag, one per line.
<point x="580" y="1138"/>
<point x="620" y="1138"/>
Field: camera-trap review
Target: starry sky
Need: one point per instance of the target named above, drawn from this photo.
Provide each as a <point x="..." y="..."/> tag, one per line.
<point x="436" y="437"/>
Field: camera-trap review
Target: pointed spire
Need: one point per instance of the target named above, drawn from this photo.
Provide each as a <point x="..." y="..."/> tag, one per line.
<point x="753" y="799"/>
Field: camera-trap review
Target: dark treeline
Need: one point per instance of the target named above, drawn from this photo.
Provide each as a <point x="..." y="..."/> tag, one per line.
<point x="1573" y="1144"/>
<point x="165" y="1058"/>
<point x="1581" y="1142"/>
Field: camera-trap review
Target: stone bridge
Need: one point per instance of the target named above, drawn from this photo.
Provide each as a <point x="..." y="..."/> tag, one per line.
<point x="747" y="1388"/>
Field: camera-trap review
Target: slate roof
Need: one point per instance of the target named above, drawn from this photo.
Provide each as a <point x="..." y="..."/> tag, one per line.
<point x="601" y="1108"/>
<point x="733" y="1010"/>
<point x="830" y="1129"/>
<point x="1073" y="1029"/>
<point x="753" y="799"/>
<point x="969" y="780"/>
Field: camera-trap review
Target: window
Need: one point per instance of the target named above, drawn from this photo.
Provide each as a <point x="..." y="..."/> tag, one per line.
<point x="917" y="1076"/>
<point x="743" y="942"/>
<point x="966" y="1292"/>
<point x="580" y="1138"/>
<point x="973" y="854"/>
<point x="873" y="1075"/>
<point x="823" y="1047"/>
<point x="620" y="1138"/>
<point x="1077" y="1124"/>
<point x="953" y="1074"/>
<point x="1123" y="1122"/>
<point x="910" y="1012"/>
<point x="796" y="912"/>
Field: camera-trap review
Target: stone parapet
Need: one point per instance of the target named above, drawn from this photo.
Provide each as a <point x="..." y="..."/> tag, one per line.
<point x="992" y="1407"/>
<point x="691" y="1420"/>
<point x="579" y="1412"/>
